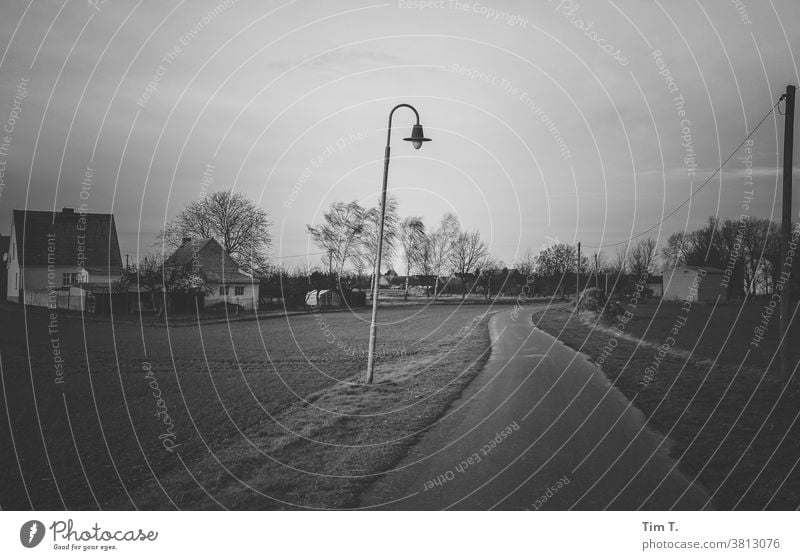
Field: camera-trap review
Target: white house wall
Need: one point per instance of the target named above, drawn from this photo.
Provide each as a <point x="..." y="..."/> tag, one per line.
<point x="678" y="285"/>
<point x="248" y="301"/>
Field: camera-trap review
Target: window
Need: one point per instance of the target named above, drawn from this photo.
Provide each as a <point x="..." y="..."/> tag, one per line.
<point x="70" y="278"/>
<point x="223" y="290"/>
<point x="16" y="280"/>
<point x="239" y="290"/>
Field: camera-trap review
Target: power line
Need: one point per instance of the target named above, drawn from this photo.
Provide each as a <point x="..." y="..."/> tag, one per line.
<point x="303" y="255"/>
<point x="697" y="190"/>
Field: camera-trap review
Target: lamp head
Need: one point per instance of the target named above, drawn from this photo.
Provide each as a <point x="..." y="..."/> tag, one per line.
<point x="417" y="137"/>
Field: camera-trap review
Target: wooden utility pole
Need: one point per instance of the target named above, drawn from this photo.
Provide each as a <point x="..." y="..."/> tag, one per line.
<point x="596" y="273"/>
<point x="578" y="275"/>
<point x="786" y="234"/>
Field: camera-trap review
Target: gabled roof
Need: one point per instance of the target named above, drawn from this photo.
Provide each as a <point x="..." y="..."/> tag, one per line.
<point x="211" y="259"/>
<point x="88" y="240"/>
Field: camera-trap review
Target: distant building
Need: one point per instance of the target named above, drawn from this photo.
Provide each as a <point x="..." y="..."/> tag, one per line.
<point x="323" y="298"/>
<point x="225" y="282"/>
<point x="386" y="280"/>
<point x="54" y="256"/>
<point x="655" y="286"/>
<point x="704" y="283"/>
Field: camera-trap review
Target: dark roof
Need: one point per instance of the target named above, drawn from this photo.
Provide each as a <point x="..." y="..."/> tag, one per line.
<point x="213" y="262"/>
<point x="98" y="252"/>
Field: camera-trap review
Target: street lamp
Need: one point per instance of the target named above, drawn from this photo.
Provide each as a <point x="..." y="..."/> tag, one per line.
<point x="417" y="138"/>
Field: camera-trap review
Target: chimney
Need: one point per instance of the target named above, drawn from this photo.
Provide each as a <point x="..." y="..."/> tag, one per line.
<point x="186" y="240"/>
<point x="68" y="211"/>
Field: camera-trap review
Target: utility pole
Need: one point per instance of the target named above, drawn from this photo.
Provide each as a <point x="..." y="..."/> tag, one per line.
<point x="596" y="273"/>
<point x="578" y="275"/>
<point x="786" y="234"/>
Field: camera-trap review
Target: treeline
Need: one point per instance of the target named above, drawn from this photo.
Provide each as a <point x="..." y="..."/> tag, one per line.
<point x="348" y="236"/>
<point x="747" y="250"/>
<point x="445" y="258"/>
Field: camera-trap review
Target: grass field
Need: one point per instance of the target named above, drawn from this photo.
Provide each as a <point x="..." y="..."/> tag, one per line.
<point x="720" y="399"/>
<point x="256" y="413"/>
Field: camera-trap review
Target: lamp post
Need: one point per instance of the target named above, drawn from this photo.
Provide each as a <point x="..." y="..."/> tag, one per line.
<point x="417" y="138"/>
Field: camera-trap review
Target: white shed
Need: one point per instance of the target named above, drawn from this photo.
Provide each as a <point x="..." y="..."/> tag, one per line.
<point x="700" y="283"/>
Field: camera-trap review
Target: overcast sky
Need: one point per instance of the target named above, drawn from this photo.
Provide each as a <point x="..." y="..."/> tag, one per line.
<point x="549" y="119"/>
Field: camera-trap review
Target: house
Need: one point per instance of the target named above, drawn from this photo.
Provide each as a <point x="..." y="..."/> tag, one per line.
<point x="700" y="283"/>
<point x="51" y="255"/>
<point x="225" y="283"/>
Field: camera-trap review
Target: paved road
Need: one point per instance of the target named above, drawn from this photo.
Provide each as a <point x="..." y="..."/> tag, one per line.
<point x="539" y="428"/>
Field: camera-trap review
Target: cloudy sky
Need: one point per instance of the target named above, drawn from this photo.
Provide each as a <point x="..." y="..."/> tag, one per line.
<point x="551" y="119"/>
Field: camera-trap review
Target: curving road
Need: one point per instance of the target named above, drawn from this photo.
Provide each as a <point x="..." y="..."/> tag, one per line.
<point x="540" y="427"/>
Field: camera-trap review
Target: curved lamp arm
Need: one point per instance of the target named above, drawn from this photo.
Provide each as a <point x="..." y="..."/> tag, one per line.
<point x="391" y="114"/>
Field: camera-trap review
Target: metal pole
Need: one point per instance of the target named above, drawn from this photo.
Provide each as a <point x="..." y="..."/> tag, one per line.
<point x="578" y="275"/>
<point x="786" y="235"/>
<point x="373" y="326"/>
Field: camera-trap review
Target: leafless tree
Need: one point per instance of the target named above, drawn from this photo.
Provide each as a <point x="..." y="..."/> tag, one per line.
<point x="527" y="263"/>
<point x="441" y="246"/>
<point x="412" y="239"/>
<point x="367" y="249"/>
<point x="467" y="252"/>
<point x="241" y="227"/>
<point x="340" y="234"/>
<point x="643" y="257"/>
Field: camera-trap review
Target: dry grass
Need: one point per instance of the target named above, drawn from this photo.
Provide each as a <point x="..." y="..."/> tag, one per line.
<point x="322" y="453"/>
<point x="238" y="395"/>
<point x="733" y="424"/>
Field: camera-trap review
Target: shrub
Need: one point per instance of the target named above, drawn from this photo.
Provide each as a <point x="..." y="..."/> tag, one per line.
<point x="594" y="300"/>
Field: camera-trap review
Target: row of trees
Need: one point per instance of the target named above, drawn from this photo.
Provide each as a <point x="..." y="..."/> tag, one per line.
<point x="348" y="235"/>
<point x="749" y="247"/>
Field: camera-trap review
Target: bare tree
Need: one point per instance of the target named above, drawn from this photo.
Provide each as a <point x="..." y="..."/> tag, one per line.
<point x="759" y="246"/>
<point x="643" y="257"/>
<point x="412" y="238"/>
<point x="440" y="247"/>
<point x="367" y="249"/>
<point x="340" y="234"/>
<point x="156" y="277"/>
<point x="599" y="265"/>
<point x="556" y="265"/>
<point x="678" y="250"/>
<point x="467" y="252"/>
<point x="527" y="263"/>
<point x="241" y="227"/>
